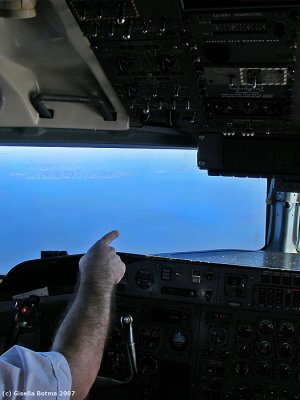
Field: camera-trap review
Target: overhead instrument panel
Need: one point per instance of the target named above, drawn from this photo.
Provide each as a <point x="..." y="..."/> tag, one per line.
<point x="187" y="65"/>
<point x="144" y="50"/>
<point x="225" y="68"/>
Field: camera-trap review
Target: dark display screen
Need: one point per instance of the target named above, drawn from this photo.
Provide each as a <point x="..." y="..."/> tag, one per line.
<point x="166" y="316"/>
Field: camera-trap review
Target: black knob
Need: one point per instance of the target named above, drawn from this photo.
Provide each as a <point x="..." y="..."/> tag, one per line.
<point x="245" y="330"/>
<point x="285" y="371"/>
<point x="263" y="368"/>
<point x="244" y="351"/>
<point x="225" y="354"/>
<point x="285" y="350"/>
<point x="208" y="294"/>
<point x="241" y="369"/>
<point x="287" y="329"/>
<point x="243" y="392"/>
<point x="264" y="348"/>
<point x="266" y="327"/>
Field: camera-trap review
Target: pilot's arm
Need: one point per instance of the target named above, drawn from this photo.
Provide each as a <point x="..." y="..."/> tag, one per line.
<point x="69" y="370"/>
<point x="81" y="337"/>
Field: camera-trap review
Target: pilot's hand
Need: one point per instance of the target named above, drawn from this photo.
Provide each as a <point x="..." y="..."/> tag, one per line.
<point x="101" y="264"/>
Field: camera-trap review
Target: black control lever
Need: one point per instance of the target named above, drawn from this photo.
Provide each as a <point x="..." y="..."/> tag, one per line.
<point x="24" y="312"/>
<point x="125" y="322"/>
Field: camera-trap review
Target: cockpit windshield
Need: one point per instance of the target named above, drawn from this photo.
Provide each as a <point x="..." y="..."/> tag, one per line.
<point x="65" y="198"/>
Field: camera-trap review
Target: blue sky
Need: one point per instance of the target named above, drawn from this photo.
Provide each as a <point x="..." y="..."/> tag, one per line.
<point x="66" y="198"/>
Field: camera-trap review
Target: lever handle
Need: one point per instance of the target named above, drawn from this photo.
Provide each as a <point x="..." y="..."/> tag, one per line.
<point x="44" y="112"/>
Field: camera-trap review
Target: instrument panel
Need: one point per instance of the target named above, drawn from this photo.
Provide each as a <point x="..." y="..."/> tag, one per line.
<point x="214" y="331"/>
<point x="211" y="67"/>
<point x="202" y="330"/>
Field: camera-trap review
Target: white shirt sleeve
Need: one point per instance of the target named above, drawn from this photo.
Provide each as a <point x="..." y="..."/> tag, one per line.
<point x="30" y="375"/>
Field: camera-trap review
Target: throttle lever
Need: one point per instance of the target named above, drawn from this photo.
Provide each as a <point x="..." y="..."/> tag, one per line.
<point x="127" y="333"/>
<point x="126" y="323"/>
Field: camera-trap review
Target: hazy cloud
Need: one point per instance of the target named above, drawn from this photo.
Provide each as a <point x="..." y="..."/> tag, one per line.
<point x="67" y="174"/>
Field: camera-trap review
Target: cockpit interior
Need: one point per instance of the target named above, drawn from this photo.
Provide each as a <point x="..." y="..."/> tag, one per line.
<point x="217" y="77"/>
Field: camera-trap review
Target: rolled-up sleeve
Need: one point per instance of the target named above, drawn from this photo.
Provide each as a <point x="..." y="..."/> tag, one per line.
<point x="25" y="374"/>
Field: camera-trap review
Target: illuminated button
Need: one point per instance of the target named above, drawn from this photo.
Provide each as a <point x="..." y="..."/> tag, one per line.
<point x="196" y="276"/>
<point x="196" y="279"/>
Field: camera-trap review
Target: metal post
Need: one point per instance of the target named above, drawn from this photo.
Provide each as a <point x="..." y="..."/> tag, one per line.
<point x="284" y="221"/>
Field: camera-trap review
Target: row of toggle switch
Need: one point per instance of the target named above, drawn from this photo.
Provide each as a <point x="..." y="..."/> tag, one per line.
<point x="112" y="29"/>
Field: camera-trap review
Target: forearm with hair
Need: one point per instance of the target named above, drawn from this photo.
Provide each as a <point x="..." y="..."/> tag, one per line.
<point x="82" y="334"/>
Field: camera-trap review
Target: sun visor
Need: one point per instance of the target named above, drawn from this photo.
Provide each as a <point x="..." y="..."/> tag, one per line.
<point x="50" y="77"/>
